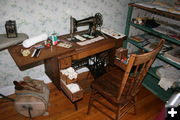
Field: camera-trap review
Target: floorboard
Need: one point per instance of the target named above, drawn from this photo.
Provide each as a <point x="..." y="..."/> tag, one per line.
<point x="60" y="108"/>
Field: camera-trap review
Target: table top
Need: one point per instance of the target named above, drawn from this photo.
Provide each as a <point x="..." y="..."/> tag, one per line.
<point x="6" y="42"/>
<point x="23" y="62"/>
<point x="76" y="51"/>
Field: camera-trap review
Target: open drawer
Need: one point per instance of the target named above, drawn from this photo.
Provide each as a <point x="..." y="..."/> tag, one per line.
<point x="66" y="79"/>
<point x="72" y="96"/>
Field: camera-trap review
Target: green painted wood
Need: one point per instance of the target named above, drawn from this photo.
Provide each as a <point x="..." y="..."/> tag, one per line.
<point x="160" y="56"/>
<point x="152" y="71"/>
<point x="151" y="80"/>
<point x="128" y="21"/>
<point x="149" y="30"/>
<point x="151" y="83"/>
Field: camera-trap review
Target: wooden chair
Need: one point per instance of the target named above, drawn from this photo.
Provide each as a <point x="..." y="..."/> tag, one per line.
<point x="120" y="86"/>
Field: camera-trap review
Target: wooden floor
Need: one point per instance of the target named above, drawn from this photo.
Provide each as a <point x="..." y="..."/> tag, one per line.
<point x="60" y="108"/>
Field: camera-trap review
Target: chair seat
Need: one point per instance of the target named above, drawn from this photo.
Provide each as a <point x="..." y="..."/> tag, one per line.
<point x="107" y="86"/>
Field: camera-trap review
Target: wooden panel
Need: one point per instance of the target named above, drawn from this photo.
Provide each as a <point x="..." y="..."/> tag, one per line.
<point x="52" y="70"/>
<point x="84" y="80"/>
<point x="92" y="49"/>
<point x="65" y="62"/>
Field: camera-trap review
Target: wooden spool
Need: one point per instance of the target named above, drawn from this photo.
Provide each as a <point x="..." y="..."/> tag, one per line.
<point x="31" y="103"/>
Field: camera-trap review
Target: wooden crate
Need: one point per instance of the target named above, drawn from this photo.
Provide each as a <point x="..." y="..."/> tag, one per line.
<point x="72" y="96"/>
<point x="121" y="53"/>
<point x="120" y="64"/>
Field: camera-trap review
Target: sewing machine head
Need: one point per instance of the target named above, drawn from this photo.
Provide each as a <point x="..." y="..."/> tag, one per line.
<point x="93" y="22"/>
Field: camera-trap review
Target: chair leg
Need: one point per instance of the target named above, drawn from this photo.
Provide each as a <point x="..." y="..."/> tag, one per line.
<point x="91" y="101"/>
<point x="135" y="110"/>
<point x="89" y="106"/>
<point x="118" y="113"/>
<point x="75" y="105"/>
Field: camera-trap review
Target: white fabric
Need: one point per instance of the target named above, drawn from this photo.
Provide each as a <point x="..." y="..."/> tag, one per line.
<point x="90" y="41"/>
<point x="31" y="41"/>
<point x="81" y="70"/>
<point x="70" y="72"/>
<point x="168" y="75"/>
<point x="73" y="87"/>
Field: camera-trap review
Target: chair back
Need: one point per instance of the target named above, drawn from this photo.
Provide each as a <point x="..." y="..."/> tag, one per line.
<point x="136" y="70"/>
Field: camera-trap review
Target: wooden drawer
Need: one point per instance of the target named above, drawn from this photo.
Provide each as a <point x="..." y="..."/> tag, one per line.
<point x="72" y="96"/>
<point x="65" y="62"/>
<point x="66" y="79"/>
<point x="93" y="50"/>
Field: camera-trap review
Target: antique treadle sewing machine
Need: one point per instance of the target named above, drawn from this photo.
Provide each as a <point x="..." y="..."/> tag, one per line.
<point x="91" y="35"/>
<point x="90" y="48"/>
<point x="93" y="22"/>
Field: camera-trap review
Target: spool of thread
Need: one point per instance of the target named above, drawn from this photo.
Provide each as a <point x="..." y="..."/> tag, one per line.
<point x="31" y="41"/>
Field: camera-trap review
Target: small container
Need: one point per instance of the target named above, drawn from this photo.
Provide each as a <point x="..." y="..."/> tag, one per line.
<point x="11" y="30"/>
<point x="54" y="39"/>
<point x="121" y="53"/>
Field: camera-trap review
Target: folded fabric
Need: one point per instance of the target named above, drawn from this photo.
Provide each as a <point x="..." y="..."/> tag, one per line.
<point x="168" y="75"/>
<point x="73" y="87"/>
<point x="70" y="73"/>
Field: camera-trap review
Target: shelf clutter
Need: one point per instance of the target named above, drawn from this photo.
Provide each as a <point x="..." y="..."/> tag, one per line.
<point x="156" y="24"/>
<point x="148" y="42"/>
<point x="173" y="54"/>
<point x="161" y="6"/>
<point x="168" y="76"/>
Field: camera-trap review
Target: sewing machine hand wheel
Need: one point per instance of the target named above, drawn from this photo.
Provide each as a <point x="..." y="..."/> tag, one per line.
<point x="99" y="19"/>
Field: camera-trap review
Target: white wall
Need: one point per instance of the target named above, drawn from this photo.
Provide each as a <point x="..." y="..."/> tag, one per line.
<point x="34" y="17"/>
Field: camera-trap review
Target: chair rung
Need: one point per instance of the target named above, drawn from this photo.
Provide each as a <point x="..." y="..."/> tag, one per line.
<point x="113" y="110"/>
<point x="126" y="110"/>
<point x="103" y="112"/>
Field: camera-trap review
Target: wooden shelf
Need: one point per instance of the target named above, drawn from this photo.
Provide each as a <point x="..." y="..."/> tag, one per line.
<point x="153" y="70"/>
<point x="156" y="11"/>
